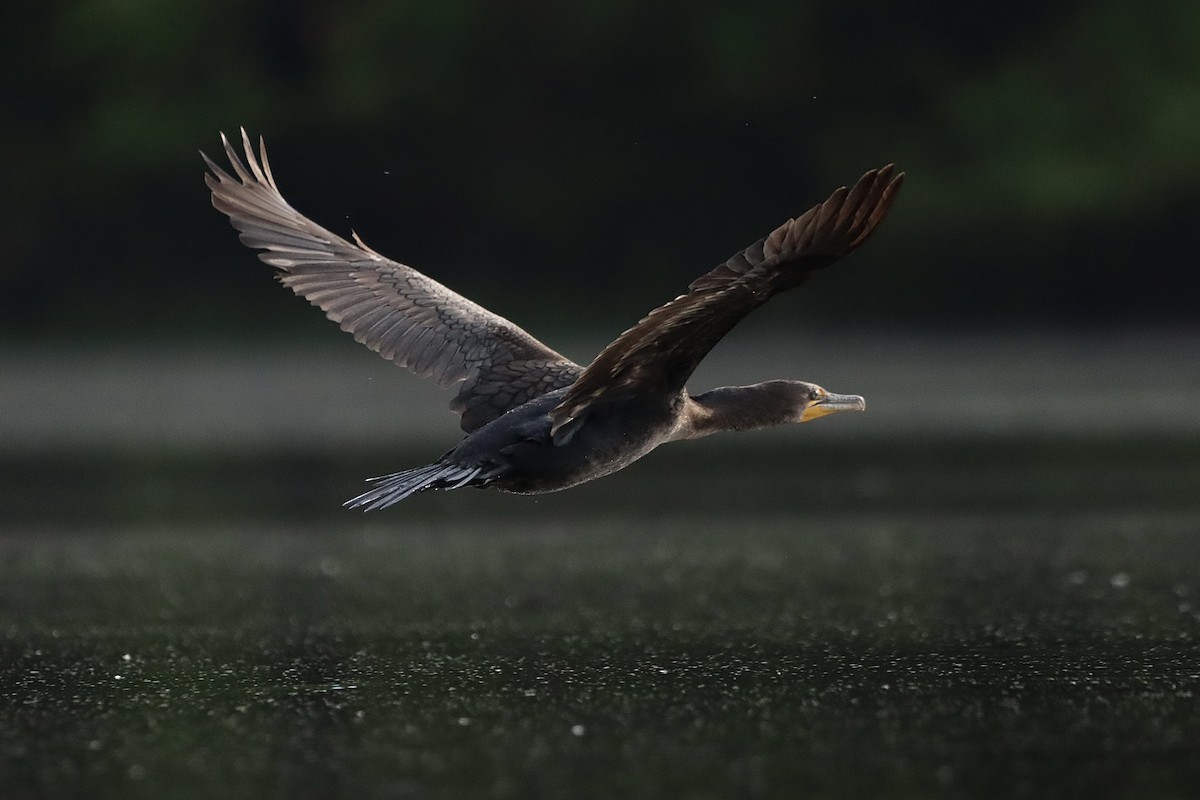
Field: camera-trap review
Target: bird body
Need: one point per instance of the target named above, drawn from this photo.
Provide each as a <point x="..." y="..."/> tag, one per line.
<point x="517" y="452"/>
<point x="535" y="421"/>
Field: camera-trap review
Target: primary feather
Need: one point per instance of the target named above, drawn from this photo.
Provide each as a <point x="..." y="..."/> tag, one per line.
<point x="403" y="315"/>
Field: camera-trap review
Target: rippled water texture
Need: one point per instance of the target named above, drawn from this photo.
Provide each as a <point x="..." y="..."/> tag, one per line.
<point x="1011" y="613"/>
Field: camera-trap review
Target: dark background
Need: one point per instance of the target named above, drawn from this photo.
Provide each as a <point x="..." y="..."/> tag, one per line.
<point x="533" y="155"/>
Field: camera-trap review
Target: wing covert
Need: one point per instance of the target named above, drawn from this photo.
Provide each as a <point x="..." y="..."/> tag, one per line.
<point x="393" y="309"/>
<point x="657" y="355"/>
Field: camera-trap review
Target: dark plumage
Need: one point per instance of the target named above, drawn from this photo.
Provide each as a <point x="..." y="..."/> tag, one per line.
<point x="536" y="421"/>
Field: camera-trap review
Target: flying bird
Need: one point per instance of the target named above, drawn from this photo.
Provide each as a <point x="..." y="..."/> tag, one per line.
<point x="536" y="421"/>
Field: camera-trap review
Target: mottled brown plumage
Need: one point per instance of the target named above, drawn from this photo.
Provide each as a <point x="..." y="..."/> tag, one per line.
<point x="535" y="420"/>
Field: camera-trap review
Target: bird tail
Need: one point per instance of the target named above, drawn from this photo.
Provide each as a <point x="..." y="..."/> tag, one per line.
<point x="391" y="489"/>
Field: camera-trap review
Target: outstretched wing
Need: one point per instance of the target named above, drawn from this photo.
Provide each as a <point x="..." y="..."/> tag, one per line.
<point x="658" y="355"/>
<point x="396" y="311"/>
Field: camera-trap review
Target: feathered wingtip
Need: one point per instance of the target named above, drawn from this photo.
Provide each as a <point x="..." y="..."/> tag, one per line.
<point x="391" y="489"/>
<point x="255" y="169"/>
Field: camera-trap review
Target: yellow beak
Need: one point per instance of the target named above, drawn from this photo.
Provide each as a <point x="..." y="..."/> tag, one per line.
<point x="831" y="404"/>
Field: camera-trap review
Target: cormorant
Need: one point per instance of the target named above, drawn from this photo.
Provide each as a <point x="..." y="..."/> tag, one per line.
<point x="536" y="421"/>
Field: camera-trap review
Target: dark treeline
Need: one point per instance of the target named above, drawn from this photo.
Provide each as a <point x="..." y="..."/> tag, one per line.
<point x="537" y="154"/>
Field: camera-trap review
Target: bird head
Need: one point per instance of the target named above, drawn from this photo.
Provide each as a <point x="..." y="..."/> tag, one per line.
<point x="814" y="401"/>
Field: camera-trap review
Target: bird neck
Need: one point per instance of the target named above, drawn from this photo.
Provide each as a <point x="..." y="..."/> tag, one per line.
<point x="739" y="408"/>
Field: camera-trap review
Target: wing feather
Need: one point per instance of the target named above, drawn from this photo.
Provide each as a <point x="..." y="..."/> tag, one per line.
<point x="391" y="308"/>
<point x="655" y="357"/>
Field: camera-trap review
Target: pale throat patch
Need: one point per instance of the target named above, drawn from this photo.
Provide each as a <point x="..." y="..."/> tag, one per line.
<point x="817" y="411"/>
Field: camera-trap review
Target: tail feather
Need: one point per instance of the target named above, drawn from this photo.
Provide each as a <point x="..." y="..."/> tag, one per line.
<point x="391" y="489"/>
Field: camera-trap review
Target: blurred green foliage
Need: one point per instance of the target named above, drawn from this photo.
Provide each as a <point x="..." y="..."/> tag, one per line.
<point x="532" y="154"/>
